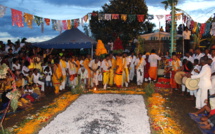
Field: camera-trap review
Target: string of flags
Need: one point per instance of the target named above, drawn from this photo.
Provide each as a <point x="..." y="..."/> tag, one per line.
<point x="60" y="25"/>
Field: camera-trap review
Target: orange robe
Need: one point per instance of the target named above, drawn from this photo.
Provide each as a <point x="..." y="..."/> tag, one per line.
<point x="118" y="72"/>
<point x="56" y="79"/>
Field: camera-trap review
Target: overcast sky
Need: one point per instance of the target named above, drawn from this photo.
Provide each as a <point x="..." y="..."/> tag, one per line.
<point x="199" y="10"/>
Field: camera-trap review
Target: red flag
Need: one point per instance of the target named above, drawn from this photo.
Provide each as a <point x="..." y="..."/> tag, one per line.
<point x="115" y="16"/>
<point x="140" y="18"/>
<point x="17" y="18"/>
<point x="47" y="21"/>
<point x="64" y="24"/>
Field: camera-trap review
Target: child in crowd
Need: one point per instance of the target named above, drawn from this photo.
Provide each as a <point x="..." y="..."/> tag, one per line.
<point x="48" y="75"/>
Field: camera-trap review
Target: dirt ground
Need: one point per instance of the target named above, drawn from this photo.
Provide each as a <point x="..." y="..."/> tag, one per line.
<point x="176" y="102"/>
<point x="182" y="107"/>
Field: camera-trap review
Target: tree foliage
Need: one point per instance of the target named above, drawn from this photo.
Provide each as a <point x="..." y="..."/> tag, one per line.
<point x="126" y="30"/>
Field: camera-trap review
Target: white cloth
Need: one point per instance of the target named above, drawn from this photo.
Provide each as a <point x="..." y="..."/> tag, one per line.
<point x="195" y="67"/>
<point x="36" y="80"/>
<point x="49" y="74"/>
<point x="204" y="85"/>
<point x="153" y="60"/>
<point x="140" y="70"/>
<point x="17" y="67"/>
<point x="132" y="67"/>
<point x="198" y="56"/>
<point x="25" y="69"/>
<point x="106" y="65"/>
<point x="95" y="75"/>
<point x="190" y="58"/>
<point x="83" y="75"/>
<point x="186" y="35"/>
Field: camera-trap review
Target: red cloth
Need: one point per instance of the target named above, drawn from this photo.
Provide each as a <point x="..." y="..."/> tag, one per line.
<point x="29" y="97"/>
<point x="117" y="44"/>
<point x="17" y="18"/>
<point x="172" y="80"/>
<point x="146" y="69"/>
<point x="115" y="16"/>
<point x="212" y="112"/>
<point x="140" y="18"/>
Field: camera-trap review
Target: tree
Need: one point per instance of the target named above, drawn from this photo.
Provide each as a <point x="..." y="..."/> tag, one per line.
<point x="172" y="4"/>
<point x="126" y="30"/>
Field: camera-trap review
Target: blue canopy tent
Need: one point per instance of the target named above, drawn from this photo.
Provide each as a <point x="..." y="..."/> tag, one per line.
<point x="70" y="39"/>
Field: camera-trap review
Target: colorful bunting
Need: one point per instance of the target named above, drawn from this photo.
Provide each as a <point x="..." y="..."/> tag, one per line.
<point x="101" y="17"/>
<point x="212" y="32"/>
<point x="28" y="19"/>
<point x="47" y="21"/>
<point x="85" y="18"/>
<point x="2" y="10"/>
<point x="69" y="24"/>
<point x="140" y="18"/>
<point x="54" y="24"/>
<point x="202" y="29"/>
<point x="115" y="16"/>
<point x="64" y="24"/>
<point x="150" y="17"/>
<point x="131" y="17"/>
<point x="17" y="18"/>
<point x="76" y="23"/>
<point x="124" y="17"/>
<point x="160" y="16"/>
<point x="207" y="28"/>
<point x="59" y="26"/>
<point x="38" y="20"/>
<point x="107" y="16"/>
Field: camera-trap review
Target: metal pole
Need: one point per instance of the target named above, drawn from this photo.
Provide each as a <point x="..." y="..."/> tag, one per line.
<point x="172" y="26"/>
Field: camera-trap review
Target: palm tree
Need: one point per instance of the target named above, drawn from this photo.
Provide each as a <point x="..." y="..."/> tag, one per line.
<point x="172" y="4"/>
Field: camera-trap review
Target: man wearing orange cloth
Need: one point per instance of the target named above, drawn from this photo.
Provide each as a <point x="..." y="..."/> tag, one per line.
<point x="57" y="76"/>
<point x="175" y="65"/>
<point x="153" y="58"/>
<point x="118" y="72"/>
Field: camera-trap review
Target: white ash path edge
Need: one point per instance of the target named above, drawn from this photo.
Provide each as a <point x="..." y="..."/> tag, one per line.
<point x="102" y="114"/>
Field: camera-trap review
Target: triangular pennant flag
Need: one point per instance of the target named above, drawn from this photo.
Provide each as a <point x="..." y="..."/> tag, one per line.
<point x="159" y="16"/>
<point x="47" y="21"/>
<point x="2" y="10"/>
<point x="140" y="18"/>
<point x="107" y="16"/>
<point x="28" y="19"/>
<point x="124" y="17"/>
<point x="17" y="18"/>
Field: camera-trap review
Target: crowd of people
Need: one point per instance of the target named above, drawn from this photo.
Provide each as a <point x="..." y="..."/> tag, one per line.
<point x="37" y="70"/>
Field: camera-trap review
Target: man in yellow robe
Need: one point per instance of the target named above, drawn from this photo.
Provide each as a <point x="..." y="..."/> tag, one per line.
<point x="118" y="72"/>
<point x="113" y="67"/>
<point x="86" y="66"/>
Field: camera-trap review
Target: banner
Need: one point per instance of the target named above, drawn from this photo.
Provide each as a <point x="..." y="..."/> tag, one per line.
<point x="17" y="18"/>
<point x="107" y="16"/>
<point x="28" y="19"/>
<point x="2" y="10"/>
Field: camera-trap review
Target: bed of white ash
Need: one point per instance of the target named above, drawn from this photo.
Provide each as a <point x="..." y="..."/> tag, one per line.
<point x="102" y="114"/>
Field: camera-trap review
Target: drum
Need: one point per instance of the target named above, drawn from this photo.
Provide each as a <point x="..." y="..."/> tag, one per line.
<point x="160" y="72"/>
<point x="178" y="77"/>
<point x="184" y="80"/>
<point x="192" y="84"/>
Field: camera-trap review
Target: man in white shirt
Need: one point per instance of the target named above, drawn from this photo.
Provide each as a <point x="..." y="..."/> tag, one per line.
<point x="132" y="66"/>
<point x="186" y="35"/>
<point x="153" y="58"/>
<point x="94" y="66"/>
<point x="198" y="54"/>
<point x="188" y="57"/>
<point x="204" y="83"/>
<point x="139" y="65"/>
<point x="105" y="69"/>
